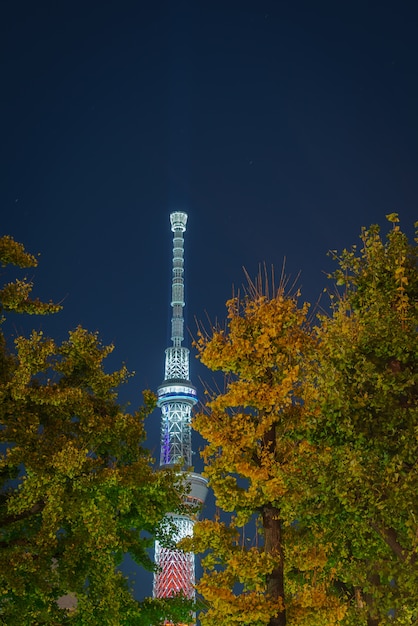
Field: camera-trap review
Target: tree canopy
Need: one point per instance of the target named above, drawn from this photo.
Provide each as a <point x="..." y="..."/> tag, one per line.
<point x="315" y="441"/>
<point x="77" y="489"/>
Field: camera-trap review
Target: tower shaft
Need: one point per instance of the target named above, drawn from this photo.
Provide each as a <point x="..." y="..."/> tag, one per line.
<point x="177" y="395"/>
<point x="176" y="398"/>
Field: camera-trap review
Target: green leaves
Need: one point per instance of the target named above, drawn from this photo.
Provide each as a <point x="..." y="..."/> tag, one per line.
<point x="77" y="487"/>
<point x="366" y="377"/>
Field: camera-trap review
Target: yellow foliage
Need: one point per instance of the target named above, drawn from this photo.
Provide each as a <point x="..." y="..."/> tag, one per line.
<point x="314" y="605"/>
<point x="315" y="438"/>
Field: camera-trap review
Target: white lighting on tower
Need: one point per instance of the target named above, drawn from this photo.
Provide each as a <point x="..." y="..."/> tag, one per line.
<point x="176" y="398"/>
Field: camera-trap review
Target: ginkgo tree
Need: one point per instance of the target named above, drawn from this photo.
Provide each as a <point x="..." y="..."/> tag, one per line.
<point x="315" y="439"/>
<point x="367" y="380"/>
<point x="77" y="488"/>
<point x="256" y="448"/>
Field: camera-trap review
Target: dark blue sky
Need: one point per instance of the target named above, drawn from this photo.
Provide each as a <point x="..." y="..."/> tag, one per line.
<point x="279" y="127"/>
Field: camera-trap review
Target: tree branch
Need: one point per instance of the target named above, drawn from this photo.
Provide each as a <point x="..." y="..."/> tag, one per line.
<point x="11" y="519"/>
<point x="390" y="537"/>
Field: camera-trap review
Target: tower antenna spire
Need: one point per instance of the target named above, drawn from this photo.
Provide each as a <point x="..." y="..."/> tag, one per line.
<point x="176" y="398"/>
<point x="178" y="226"/>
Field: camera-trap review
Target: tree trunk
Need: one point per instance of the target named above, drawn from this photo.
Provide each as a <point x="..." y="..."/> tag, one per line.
<point x="372" y="617"/>
<point x="389" y="535"/>
<point x="273" y="545"/>
<point x="7" y="520"/>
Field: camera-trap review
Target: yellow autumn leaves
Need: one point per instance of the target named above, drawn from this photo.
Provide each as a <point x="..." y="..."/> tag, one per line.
<point x="313" y="445"/>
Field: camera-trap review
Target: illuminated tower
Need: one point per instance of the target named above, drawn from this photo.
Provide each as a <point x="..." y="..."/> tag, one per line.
<point x="176" y="397"/>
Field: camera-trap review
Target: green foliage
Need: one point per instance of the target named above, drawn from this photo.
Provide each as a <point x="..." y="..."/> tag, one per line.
<point x="77" y="489"/>
<point x="316" y="436"/>
<point x="367" y="381"/>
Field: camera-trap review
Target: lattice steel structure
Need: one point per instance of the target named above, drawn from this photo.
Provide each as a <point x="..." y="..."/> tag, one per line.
<point x="176" y="398"/>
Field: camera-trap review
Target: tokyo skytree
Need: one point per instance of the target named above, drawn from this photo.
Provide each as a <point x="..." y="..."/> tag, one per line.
<point x="176" y="398"/>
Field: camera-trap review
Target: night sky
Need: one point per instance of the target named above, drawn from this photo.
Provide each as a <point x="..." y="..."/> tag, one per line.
<point x="281" y="128"/>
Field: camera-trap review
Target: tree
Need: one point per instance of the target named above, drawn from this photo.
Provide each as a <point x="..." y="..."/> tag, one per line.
<point x="315" y="438"/>
<point x="77" y="489"/>
<point x="253" y="461"/>
<point x="367" y="381"/>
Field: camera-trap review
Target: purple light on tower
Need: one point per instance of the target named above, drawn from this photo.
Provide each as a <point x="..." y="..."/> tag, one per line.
<point x="176" y="398"/>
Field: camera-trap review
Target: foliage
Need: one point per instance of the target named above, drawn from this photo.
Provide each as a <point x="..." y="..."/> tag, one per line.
<point x="367" y="380"/>
<point x="15" y="296"/>
<point x="256" y="449"/>
<point x="77" y="490"/>
<point x="315" y="437"/>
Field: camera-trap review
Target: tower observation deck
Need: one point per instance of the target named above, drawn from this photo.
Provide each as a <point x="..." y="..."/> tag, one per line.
<point x="176" y="398"/>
